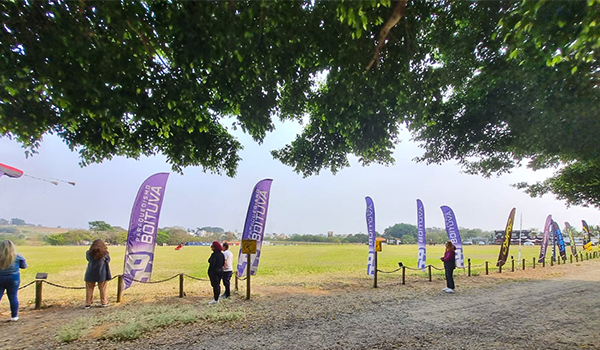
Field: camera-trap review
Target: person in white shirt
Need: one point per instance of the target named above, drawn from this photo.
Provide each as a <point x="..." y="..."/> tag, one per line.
<point x="227" y="270"/>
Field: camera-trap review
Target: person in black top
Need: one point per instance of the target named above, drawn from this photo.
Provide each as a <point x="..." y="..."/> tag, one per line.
<point x="215" y="269"/>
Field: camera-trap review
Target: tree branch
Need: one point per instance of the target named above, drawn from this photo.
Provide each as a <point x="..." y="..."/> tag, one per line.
<point x="397" y="14"/>
<point x="149" y="50"/>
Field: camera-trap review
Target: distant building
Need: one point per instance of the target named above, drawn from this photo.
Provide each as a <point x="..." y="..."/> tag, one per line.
<point x="526" y="235"/>
<point x="329" y="233"/>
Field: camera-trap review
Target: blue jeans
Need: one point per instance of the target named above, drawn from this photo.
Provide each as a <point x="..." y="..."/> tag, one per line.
<point x="11" y="284"/>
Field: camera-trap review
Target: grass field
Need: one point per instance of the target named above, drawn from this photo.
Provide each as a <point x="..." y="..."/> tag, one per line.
<point x="306" y="267"/>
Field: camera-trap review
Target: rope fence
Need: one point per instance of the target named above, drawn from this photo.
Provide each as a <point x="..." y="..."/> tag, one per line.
<point x="120" y="279"/>
<point x="154" y="282"/>
<point x="40" y="282"/>
<point x="578" y="257"/>
<point x="195" y="278"/>
<point x="27" y="285"/>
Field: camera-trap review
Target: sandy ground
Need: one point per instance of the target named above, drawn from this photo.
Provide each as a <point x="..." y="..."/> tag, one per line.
<point x="547" y="308"/>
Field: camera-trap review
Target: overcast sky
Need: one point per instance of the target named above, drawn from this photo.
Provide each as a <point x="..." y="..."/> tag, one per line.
<point x="313" y="205"/>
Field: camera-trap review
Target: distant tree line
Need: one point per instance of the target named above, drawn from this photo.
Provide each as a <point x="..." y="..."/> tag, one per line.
<point x="98" y="229"/>
<point x="13" y="221"/>
<point x="115" y="235"/>
<point x="408" y="234"/>
<point x="354" y="238"/>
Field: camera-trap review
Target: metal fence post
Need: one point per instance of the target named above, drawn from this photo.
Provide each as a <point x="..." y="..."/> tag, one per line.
<point x="512" y="260"/>
<point x="533" y="265"/>
<point x="429" y="270"/>
<point x="523" y="264"/>
<point x="486" y="268"/>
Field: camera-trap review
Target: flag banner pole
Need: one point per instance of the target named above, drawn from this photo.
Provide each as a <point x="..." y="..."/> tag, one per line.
<point x="454" y="235"/>
<point x="560" y="241"/>
<point x="587" y="242"/>
<point x="520" y="238"/>
<point x="421" y="238"/>
<point x="254" y="227"/>
<point x="143" y="228"/>
<point x="545" y="239"/>
<point x="504" y="248"/>
<point x="570" y="230"/>
<point x="370" y="216"/>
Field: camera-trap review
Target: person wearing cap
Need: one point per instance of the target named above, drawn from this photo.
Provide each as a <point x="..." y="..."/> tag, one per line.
<point x="215" y="270"/>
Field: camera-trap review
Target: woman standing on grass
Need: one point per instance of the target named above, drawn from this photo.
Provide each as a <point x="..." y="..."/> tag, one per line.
<point x="215" y="270"/>
<point x="449" y="266"/>
<point x="10" y="278"/>
<point x="98" y="271"/>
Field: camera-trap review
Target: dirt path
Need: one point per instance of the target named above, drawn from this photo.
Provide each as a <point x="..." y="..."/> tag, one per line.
<point x="551" y="308"/>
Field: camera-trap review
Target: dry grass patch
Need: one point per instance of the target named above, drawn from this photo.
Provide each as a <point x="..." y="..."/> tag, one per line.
<point x="132" y="322"/>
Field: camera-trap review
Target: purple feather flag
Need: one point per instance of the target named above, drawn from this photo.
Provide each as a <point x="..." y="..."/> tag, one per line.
<point x="254" y="228"/>
<point x="143" y="227"/>
<point x="454" y="235"/>
<point x="421" y="239"/>
<point x="371" y="231"/>
<point x="546" y="238"/>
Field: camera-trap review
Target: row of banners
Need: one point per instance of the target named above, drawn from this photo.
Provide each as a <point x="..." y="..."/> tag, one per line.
<point x="551" y="232"/>
<point x="451" y="230"/>
<point x="143" y="228"/>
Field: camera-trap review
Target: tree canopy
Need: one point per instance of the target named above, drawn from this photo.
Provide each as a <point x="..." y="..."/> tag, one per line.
<point x="399" y="230"/>
<point x="96" y="226"/>
<point x="492" y="84"/>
